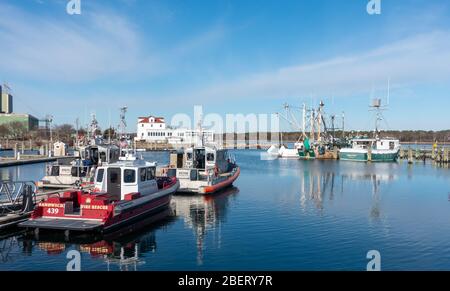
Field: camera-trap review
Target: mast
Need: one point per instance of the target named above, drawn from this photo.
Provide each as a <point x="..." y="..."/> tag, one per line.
<point x="200" y="136"/>
<point x="312" y="124"/>
<point x="122" y="125"/>
<point x="304" y="121"/>
<point x="93" y="128"/>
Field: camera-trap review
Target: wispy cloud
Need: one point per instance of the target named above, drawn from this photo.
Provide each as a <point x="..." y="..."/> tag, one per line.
<point x="99" y="45"/>
<point x="414" y="60"/>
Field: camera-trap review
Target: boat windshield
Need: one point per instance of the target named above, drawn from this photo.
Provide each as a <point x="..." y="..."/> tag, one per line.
<point x="199" y="159"/>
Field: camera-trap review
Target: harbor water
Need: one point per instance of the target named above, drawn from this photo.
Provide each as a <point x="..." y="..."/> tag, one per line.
<point x="281" y="215"/>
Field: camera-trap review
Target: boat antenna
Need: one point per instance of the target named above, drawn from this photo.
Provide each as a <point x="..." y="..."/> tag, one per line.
<point x="389" y="91"/>
<point x="123" y="123"/>
<point x="93" y="127"/>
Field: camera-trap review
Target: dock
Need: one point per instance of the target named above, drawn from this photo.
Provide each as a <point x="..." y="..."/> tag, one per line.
<point x="439" y="155"/>
<point x="8" y="162"/>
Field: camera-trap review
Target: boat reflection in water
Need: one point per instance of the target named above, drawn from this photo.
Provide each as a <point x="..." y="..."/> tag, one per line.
<point x="317" y="185"/>
<point x="123" y="249"/>
<point x="204" y="214"/>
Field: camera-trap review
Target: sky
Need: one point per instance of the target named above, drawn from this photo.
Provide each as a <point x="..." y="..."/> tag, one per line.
<point x="229" y="56"/>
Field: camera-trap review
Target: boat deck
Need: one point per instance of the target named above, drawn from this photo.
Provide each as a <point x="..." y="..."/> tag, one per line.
<point x="63" y="224"/>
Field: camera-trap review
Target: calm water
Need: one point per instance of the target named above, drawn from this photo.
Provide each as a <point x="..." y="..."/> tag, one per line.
<point x="281" y="215"/>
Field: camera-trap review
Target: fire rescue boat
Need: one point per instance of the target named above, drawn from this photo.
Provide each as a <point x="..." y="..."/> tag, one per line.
<point x="124" y="192"/>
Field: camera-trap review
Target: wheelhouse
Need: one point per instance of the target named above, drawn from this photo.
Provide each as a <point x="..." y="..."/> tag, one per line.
<point x="122" y="178"/>
<point x="95" y="154"/>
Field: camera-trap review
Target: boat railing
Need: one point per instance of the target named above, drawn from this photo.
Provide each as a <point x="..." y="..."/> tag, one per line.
<point x="17" y="196"/>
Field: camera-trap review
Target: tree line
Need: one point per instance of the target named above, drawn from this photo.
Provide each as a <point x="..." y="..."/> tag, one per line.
<point x="17" y="131"/>
<point x="420" y="136"/>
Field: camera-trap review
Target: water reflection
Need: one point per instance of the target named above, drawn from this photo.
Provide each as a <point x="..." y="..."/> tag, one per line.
<point x="123" y="249"/>
<point x="316" y="185"/>
<point x="128" y="248"/>
<point x="204" y="214"/>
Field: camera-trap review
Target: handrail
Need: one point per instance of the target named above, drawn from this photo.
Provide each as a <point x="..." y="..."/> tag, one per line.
<point x="17" y="196"/>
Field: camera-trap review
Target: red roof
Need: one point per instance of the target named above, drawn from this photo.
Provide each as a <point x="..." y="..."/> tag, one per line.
<point x="147" y="119"/>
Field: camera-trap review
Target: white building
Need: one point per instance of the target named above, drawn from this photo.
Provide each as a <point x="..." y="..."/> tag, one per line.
<point x="154" y="129"/>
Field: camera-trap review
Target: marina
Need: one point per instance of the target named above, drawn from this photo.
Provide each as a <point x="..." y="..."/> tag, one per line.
<point x="337" y="209"/>
<point x="236" y="139"/>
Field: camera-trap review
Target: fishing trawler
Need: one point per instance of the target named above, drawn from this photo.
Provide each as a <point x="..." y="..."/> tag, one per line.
<point x="316" y="141"/>
<point x="374" y="149"/>
<point x="371" y="149"/>
<point x="123" y="192"/>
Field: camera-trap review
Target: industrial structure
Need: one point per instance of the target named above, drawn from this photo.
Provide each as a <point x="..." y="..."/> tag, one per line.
<point x="7" y="115"/>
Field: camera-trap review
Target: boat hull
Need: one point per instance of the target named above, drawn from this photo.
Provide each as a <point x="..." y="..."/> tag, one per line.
<point x="353" y="156"/>
<point x="364" y="156"/>
<point x="205" y="187"/>
<point x="124" y="213"/>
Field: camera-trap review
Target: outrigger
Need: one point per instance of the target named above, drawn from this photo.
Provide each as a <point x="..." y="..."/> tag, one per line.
<point x="123" y="192"/>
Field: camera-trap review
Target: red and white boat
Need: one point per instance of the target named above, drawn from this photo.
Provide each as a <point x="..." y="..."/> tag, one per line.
<point x="124" y="192"/>
<point x="203" y="169"/>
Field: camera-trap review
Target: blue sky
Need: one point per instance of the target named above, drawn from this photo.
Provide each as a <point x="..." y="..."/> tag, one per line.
<point x="234" y="56"/>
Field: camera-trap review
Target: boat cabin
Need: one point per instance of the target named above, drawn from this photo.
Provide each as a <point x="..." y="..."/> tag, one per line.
<point x="387" y="144"/>
<point x="97" y="154"/>
<point x="125" y="177"/>
<point x="201" y="158"/>
<point x="379" y="144"/>
<point x="362" y="143"/>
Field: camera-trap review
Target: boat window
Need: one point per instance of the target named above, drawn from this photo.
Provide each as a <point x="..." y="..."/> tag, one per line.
<point x="143" y="174"/>
<point x="210" y="157"/>
<point x="100" y="175"/>
<point x="103" y="156"/>
<point x="55" y="171"/>
<point x="113" y="177"/>
<point x="150" y="173"/>
<point x="129" y="176"/>
<point x="189" y="156"/>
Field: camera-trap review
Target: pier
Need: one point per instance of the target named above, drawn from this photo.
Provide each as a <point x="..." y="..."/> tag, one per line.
<point x="439" y="155"/>
<point x="26" y="160"/>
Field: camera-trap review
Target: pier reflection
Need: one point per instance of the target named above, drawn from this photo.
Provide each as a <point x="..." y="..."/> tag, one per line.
<point x="204" y="214"/>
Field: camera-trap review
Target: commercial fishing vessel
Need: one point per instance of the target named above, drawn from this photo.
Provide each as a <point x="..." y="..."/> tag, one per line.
<point x="374" y="149"/>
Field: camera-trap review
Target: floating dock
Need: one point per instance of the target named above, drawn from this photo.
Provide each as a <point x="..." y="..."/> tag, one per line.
<point x="5" y="162"/>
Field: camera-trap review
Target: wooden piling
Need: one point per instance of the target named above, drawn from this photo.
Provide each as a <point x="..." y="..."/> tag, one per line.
<point x="410" y="156"/>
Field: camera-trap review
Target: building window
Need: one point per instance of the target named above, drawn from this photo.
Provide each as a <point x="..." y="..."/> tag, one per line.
<point x="160" y="125"/>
